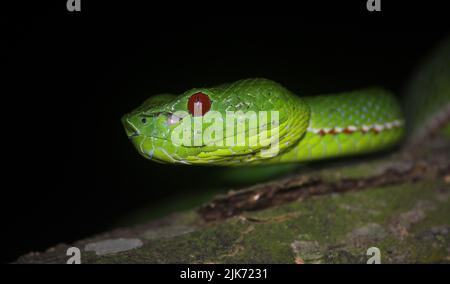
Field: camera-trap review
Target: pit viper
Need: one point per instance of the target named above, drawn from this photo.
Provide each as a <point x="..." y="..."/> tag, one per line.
<point x="308" y="127"/>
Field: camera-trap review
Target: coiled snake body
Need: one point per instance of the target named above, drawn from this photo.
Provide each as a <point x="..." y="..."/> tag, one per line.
<point x="309" y="128"/>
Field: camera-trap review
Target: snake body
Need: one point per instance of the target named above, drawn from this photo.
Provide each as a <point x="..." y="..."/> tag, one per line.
<point x="309" y="127"/>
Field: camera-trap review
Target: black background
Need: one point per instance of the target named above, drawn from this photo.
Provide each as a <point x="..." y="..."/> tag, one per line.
<point x="74" y="75"/>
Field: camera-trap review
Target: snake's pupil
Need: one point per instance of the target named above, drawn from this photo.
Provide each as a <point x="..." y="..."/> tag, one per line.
<point x="199" y="104"/>
<point x="143" y="120"/>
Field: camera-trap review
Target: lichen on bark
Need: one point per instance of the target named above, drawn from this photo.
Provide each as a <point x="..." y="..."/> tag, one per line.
<point x="397" y="202"/>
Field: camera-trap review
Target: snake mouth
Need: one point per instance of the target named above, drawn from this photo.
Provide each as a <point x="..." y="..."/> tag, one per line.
<point x="131" y="135"/>
<point x="130" y="129"/>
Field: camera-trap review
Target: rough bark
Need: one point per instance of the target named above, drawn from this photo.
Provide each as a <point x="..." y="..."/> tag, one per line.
<point x="397" y="202"/>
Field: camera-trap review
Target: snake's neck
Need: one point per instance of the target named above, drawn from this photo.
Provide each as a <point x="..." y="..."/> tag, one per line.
<point x="348" y="124"/>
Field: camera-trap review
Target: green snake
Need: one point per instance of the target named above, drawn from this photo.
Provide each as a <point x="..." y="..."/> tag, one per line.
<point x="308" y="127"/>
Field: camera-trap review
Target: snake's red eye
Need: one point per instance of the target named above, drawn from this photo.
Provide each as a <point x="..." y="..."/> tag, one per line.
<point x="199" y="104"/>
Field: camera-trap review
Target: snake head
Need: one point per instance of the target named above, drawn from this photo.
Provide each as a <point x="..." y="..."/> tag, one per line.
<point x="229" y="124"/>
